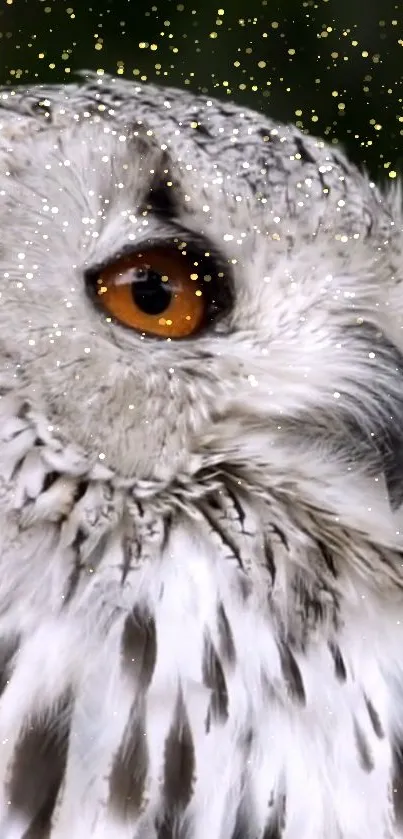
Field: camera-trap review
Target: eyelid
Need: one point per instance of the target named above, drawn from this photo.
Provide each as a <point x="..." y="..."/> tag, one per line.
<point x="172" y="234"/>
<point x="197" y="246"/>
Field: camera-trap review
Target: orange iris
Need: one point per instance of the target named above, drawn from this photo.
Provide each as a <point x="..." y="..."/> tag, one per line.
<point x="158" y="291"/>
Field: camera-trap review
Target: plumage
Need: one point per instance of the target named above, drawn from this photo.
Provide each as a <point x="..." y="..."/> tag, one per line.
<point x="201" y="541"/>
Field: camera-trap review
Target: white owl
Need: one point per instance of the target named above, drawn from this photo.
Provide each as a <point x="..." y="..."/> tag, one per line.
<point x="201" y="474"/>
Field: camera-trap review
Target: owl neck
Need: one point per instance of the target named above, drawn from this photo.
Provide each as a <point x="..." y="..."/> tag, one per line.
<point x="267" y="522"/>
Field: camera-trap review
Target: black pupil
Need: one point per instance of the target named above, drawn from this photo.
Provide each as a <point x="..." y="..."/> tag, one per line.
<point x="150" y="293"/>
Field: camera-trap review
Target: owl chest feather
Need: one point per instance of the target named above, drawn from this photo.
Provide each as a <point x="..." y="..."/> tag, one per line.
<point x="181" y="664"/>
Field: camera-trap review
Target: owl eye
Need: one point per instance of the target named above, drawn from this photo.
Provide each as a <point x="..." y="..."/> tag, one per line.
<point x="159" y="291"/>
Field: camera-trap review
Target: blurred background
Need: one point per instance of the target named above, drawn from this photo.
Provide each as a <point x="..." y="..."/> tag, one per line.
<point x="335" y="67"/>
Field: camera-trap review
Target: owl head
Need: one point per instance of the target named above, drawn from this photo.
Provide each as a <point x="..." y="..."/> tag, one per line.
<point x="201" y="472"/>
<point x="188" y="289"/>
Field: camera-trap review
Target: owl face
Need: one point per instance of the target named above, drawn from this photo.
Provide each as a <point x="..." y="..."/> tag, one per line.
<point x="189" y="286"/>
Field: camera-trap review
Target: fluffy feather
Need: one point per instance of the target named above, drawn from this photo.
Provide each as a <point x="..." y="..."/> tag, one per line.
<point x="201" y="587"/>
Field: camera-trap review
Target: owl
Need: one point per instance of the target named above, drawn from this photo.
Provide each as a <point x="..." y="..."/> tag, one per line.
<point x="201" y="474"/>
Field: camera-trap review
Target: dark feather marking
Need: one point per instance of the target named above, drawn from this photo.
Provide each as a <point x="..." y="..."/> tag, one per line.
<point x="213" y="677"/>
<point x="165" y="829"/>
<point x="139" y="646"/>
<point x="390" y="439"/>
<point x="214" y="502"/>
<point x="167" y="524"/>
<point x="281" y="535"/>
<point x="276" y="824"/>
<point x="37" y="767"/>
<point x="328" y="557"/>
<point x="238" y="509"/>
<point x="8" y="649"/>
<point x="41" y="826"/>
<point x="79" y="539"/>
<point x="245" y="586"/>
<point x="383" y="430"/>
<point x="201" y="129"/>
<point x="83" y="566"/>
<point x="305" y="154"/>
<point x="375" y="720"/>
<point x="225" y="635"/>
<point x="179" y="760"/>
<point x="80" y="491"/>
<point x="307" y="603"/>
<point x="78" y="567"/>
<point x="225" y="538"/>
<point x="269" y="557"/>
<point x="161" y="200"/>
<point x="364" y="752"/>
<point x="73" y="583"/>
<point x="127" y="782"/>
<point x="398" y="784"/>
<point x="390" y="447"/>
<point x="241" y="830"/>
<point x="128" y="545"/>
<point x="49" y="479"/>
<point x="339" y="666"/>
<point x="245" y="821"/>
<point x="292" y="674"/>
<point x="393" y="470"/>
<point x="140" y="509"/>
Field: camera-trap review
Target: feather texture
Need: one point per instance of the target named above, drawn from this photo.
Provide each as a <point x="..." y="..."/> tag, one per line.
<point x="201" y="550"/>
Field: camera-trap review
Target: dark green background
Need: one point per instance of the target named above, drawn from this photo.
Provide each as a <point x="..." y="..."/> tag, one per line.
<point x="343" y="77"/>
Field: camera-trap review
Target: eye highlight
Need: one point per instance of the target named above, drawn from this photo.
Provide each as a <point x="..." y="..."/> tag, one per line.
<point x="159" y="291"/>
